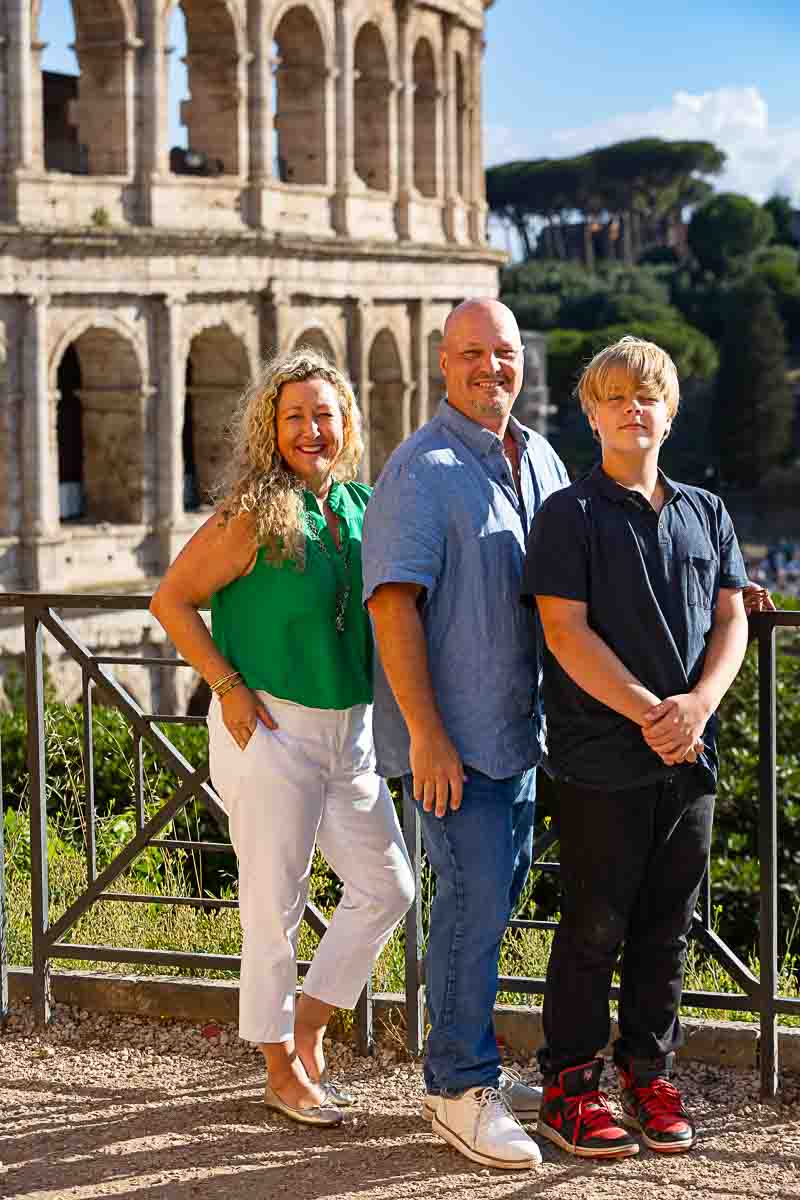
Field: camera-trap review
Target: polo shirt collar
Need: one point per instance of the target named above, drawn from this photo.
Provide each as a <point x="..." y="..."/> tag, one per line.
<point x="481" y="441"/>
<point x="615" y="491"/>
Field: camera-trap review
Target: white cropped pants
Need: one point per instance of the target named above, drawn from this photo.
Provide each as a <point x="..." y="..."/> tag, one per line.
<point x="310" y="781"/>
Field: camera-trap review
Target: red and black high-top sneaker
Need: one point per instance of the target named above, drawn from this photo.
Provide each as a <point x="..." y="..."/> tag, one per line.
<point x="575" y="1115"/>
<point x="653" y="1105"/>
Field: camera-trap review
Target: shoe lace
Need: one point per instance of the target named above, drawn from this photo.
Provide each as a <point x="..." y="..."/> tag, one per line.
<point x="661" y="1097"/>
<point x="589" y="1111"/>
<point x="492" y="1103"/>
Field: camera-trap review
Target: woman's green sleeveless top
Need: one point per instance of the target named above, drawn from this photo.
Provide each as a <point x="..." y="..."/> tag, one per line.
<point x="278" y="625"/>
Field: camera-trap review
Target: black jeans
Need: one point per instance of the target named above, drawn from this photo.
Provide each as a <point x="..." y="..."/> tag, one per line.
<point x="632" y="863"/>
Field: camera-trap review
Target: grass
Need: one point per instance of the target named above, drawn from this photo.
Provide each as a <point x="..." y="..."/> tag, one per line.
<point x="172" y="927"/>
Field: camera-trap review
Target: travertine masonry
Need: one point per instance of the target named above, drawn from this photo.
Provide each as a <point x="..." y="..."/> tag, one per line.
<point x="343" y="206"/>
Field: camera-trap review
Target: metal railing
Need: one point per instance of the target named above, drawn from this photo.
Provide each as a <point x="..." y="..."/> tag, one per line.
<point x="759" y="994"/>
<point x="41" y="613"/>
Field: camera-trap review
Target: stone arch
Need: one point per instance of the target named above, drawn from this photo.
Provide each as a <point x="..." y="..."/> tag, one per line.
<point x="301" y="75"/>
<point x="88" y="121"/>
<point x="101" y="377"/>
<point x="317" y="338"/>
<point x="108" y="321"/>
<point x="215" y="48"/>
<point x="217" y="372"/>
<point x="461" y="127"/>
<point x="372" y="108"/>
<point x="387" y="388"/>
<point x="426" y="167"/>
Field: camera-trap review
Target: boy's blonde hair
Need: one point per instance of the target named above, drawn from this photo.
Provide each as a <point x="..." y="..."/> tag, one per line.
<point x="653" y="367"/>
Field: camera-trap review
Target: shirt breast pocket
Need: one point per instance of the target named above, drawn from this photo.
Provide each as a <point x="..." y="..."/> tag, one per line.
<point x="701" y="581"/>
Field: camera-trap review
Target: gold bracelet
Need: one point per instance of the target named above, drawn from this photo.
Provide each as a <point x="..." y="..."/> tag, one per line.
<point x="222" y="679"/>
<point x="223" y="691"/>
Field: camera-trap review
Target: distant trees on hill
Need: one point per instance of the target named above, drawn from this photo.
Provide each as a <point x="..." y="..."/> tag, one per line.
<point x="595" y="229"/>
<point x="625" y="193"/>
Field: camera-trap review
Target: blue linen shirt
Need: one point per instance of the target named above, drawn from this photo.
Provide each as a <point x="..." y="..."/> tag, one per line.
<point x="650" y="582"/>
<point x="445" y="514"/>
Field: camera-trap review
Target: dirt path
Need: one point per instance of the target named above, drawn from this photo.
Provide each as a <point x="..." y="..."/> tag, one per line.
<point x="109" y="1106"/>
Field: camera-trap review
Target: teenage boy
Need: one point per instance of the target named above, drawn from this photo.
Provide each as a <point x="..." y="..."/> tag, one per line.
<point x="638" y="581"/>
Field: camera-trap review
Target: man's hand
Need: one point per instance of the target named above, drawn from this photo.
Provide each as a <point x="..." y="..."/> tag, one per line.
<point x="437" y="769"/>
<point x="675" y="725"/>
<point x="756" y="599"/>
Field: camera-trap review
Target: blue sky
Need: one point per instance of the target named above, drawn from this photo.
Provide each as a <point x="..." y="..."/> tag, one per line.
<point x="563" y="77"/>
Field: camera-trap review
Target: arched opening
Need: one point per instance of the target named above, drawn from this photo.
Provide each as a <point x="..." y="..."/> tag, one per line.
<point x="58" y="76"/>
<point x="299" y="99"/>
<point x="217" y="373"/>
<point x="371" y="109"/>
<point x="425" y="114"/>
<point x="191" y="497"/>
<point x="317" y="340"/>
<point x="435" y="378"/>
<point x="386" y="392"/>
<point x="461" y="131"/>
<point x="177" y="89"/>
<point x="100" y="429"/>
<point x="86" y="116"/>
<point x="211" y="111"/>
<point x="69" y="435"/>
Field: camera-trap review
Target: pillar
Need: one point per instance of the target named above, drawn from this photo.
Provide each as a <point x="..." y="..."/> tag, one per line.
<point x="152" y="153"/>
<point x="260" y="116"/>
<point x="420" y="402"/>
<point x="22" y="114"/>
<point x="405" y="124"/>
<point x="478" y="211"/>
<point x="450" y="160"/>
<point x="172" y="374"/>
<point x="358" y="353"/>
<point x="40" y="515"/>
<point x="345" y="134"/>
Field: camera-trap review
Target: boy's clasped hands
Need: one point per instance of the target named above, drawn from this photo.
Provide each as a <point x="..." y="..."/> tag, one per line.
<point x="674" y="728"/>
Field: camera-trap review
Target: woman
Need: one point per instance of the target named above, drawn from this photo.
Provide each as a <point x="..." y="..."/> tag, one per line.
<point x="289" y="661"/>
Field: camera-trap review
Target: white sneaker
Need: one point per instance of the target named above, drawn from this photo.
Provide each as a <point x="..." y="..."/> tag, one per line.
<point x="480" y="1125"/>
<point x="524" y="1099"/>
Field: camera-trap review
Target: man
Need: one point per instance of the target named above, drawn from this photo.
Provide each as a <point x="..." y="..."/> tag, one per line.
<point x="457" y="709"/>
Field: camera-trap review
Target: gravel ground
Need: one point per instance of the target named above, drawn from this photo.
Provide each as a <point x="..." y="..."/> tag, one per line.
<point x="107" y="1105"/>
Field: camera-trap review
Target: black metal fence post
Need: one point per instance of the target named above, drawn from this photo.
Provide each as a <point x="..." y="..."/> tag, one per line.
<point x="40" y="895"/>
<point x="365" y="1037"/>
<point x="414" y="964"/>
<point x="768" y="855"/>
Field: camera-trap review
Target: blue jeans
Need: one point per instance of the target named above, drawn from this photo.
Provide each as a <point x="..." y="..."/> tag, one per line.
<point x="480" y="855"/>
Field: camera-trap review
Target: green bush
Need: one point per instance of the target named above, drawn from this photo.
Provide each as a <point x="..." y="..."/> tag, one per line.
<point x="735" y="869"/>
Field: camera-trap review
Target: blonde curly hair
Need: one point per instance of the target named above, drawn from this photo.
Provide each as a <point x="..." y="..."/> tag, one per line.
<point x="257" y="480"/>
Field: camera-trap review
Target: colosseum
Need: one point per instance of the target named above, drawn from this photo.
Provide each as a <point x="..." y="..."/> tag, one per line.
<point x="332" y="193"/>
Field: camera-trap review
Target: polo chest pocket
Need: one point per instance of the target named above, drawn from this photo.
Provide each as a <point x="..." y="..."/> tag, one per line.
<point x="701" y="580"/>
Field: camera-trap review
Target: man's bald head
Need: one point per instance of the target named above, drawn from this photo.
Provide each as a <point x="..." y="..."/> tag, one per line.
<point x="481" y="360"/>
<point x="478" y="311"/>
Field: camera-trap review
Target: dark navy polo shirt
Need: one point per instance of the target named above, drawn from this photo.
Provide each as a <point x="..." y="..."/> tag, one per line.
<point x="650" y="581"/>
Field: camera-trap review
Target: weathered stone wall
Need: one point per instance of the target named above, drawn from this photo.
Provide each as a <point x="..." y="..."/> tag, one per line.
<point x="344" y="208"/>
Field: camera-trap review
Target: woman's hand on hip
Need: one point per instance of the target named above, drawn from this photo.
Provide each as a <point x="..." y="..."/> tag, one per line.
<point x="241" y="710"/>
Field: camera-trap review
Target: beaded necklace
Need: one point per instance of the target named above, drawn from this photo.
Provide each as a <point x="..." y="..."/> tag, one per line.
<point x="344" y="589"/>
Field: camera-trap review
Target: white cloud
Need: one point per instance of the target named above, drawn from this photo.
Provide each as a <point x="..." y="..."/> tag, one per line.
<point x="762" y="158"/>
